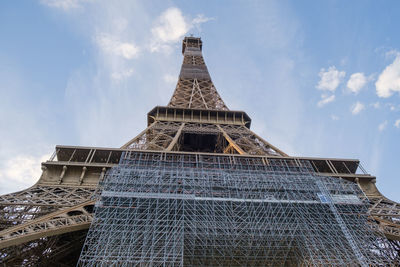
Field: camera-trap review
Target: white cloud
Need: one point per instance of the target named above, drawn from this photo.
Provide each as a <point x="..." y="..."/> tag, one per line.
<point x="171" y="26"/>
<point x="22" y="170"/>
<point x="376" y="105"/>
<point x="330" y="79"/>
<point x="357" y="108"/>
<point x="382" y="126"/>
<point x="199" y="19"/>
<point x="356" y="82"/>
<point x="121" y="75"/>
<point x="397" y="123"/>
<point x="334" y="117"/>
<point x="124" y="67"/>
<point x="392" y="52"/>
<point x="344" y="61"/>
<point x="392" y="107"/>
<point x="112" y="45"/>
<point x="170" y="78"/>
<point x="63" y="4"/>
<point x="325" y="100"/>
<point x="389" y="80"/>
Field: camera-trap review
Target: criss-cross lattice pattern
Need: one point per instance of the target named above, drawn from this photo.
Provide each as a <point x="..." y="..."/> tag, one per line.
<point x="161" y="209"/>
<point x="176" y="201"/>
<point x="26" y="205"/>
<point x="195" y="88"/>
<point x="160" y="135"/>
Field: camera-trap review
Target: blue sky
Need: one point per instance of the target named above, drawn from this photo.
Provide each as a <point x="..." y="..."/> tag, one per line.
<point x="318" y="78"/>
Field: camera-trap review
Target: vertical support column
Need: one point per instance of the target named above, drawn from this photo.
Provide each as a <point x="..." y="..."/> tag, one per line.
<point x="103" y="172"/>
<point x="64" y="169"/>
<point x="84" y="169"/>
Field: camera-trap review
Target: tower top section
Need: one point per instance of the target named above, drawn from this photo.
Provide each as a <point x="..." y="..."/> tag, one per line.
<point x="195" y="89"/>
<point x="192" y="43"/>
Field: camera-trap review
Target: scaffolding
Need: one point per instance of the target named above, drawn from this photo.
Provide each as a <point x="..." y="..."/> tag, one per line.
<point x="182" y="209"/>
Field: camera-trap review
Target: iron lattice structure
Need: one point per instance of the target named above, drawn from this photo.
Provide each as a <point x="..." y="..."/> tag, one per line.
<point x="206" y="210"/>
<point x="198" y="187"/>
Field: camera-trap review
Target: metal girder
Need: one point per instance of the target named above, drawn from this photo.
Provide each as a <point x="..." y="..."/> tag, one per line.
<point x="47" y="195"/>
<point x="43" y="221"/>
<point x="210" y="210"/>
<point x="231" y="142"/>
<point x="249" y="142"/>
<point x="385" y="211"/>
<point x="195" y="88"/>
<point x="59" y="250"/>
<point x="176" y="137"/>
<point x="135" y="139"/>
<point x="65" y="220"/>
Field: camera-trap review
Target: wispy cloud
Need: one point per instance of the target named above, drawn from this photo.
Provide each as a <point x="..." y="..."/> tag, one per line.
<point x="121" y="75"/>
<point x="170" y="78"/>
<point x="392" y="107"/>
<point x="124" y="69"/>
<point x="171" y="26"/>
<point x="325" y="100"/>
<point x="389" y="80"/>
<point x="111" y="44"/>
<point x="334" y="117"/>
<point x="356" y="82"/>
<point x="397" y="123"/>
<point x="21" y="171"/>
<point x="65" y="5"/>
<point x="330" y="79"/>
<point x="357" y="108"/>
<point x="199" y="19"/>
<point x="376" y="105"/>
<point x="382" y="126"/>
<point x="27" y="131"/>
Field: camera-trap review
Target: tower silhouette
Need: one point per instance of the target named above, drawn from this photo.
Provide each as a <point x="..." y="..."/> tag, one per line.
<point x="198" y="188"/>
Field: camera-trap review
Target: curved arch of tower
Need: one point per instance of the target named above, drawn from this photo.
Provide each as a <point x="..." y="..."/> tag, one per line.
<point x="198" y="188"/>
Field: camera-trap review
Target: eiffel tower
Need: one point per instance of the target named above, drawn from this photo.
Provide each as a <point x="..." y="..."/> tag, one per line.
<point x="198" y="187"/>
